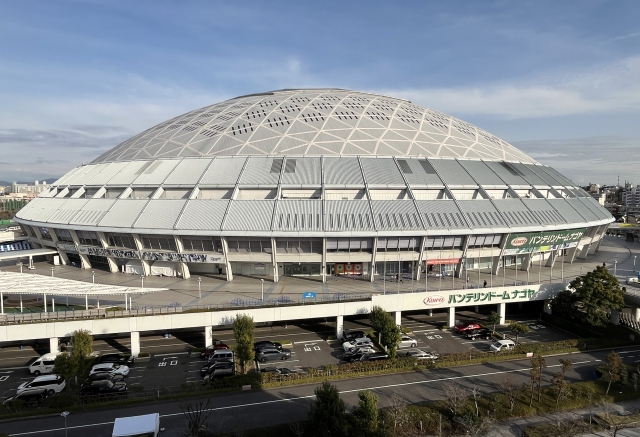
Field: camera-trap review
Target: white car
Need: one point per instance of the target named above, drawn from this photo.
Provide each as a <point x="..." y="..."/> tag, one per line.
<point x="358" y="342"/>
<point x="49" y="384"/>
<point x="116" y="368"/>
<point x="420" y="354"/>
<point x="407" y="341"/>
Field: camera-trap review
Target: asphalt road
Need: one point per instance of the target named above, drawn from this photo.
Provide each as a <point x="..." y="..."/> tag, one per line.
<point x="280" y="405"/>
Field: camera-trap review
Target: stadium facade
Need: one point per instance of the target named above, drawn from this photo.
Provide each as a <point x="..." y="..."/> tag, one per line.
<point x="314" y="183"/>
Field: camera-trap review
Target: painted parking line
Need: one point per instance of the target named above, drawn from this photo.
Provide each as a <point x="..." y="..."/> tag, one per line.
<point x="169" y="355"/>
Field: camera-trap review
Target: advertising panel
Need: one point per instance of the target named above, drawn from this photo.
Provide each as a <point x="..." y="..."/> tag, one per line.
<point x="348" y="268"/>
<point x="538" y="239"/>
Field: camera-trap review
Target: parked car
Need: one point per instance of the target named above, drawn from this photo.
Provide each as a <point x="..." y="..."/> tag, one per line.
<point x="221" y="355"/>
<point x="211" y="349"/>
<point x="420" y="354"/>
<point x="266" y="354"/>
<point x="104" y="376"/>
<point x="217" y="365"/>
<point x="351" y="357"/>
<point x="469" y="326"/>
<point x="119" y="369"/>
<point x="30" y="399"/>
<point x="503" y="345"/>
<point x="358" y="342"/>
<point x="282" y="371"/>
<point x="43" y="364"/>
<point x="50" y="384"/>
<point x="352" y="334"/>
<point x="221" y="371"/>
<point x="478" y="333"/>
<point x="117" y="358"/>
<point x="376" y="356"/>
<point x="103" y="387"/>
<point x="407" y="341"/>
<point x="266" y="344"/>
<point x="363" y="350"/>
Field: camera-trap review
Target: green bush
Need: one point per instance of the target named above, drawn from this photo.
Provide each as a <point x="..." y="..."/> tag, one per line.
<point x="143" y="355"/>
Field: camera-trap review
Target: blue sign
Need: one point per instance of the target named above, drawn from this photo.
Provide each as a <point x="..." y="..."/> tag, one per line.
<point x="309" y="295"/>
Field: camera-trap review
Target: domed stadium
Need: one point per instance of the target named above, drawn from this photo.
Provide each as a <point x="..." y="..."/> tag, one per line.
<point x="313" y="182"/>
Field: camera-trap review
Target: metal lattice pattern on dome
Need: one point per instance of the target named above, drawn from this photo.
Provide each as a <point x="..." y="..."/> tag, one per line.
<point x="314" y="122"/>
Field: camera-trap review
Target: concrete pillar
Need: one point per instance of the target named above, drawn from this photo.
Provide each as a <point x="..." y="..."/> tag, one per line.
<point x="184" y="269"/>
<point x="146" y="267"/>
<point x="398" y="317"/>
<point x="495" y="265"/>
<point x="502" y="311"/>
<point x="451" y="317"/>
<point x="525" y="261"/>
<point x="225" y="250"/>
<point x="339" y="326"/>
<point x="476" y="309"/>
<point x="430" y="313"/>
<point x="423" y="241"/>
<point x="461" y="266"/>
<point x="135" y="343"/>
<point x="323" y="267"/>
<point x="84" y="259"/>
<point x="553" y="255"/>
<point x="636" y="314"/>
<point x="615" y="317"/>
<point x="274" y="261"/>
<point x="571" y="254"/>
<point x="582" y="254"/>
<point x="208" y="336"/>
<point x="547" y="306"/>
<point x="53" y="345"/>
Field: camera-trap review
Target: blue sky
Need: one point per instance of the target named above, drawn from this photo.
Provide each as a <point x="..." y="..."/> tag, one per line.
<point x="557" y="79"/>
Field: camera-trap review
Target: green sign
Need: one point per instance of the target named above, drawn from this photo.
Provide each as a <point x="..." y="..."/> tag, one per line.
<point x="537" y="239"/>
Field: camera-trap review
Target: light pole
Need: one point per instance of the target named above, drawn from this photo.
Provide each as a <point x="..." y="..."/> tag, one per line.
<point x="262" y="289"/>
<point x="199" y="289"/>
<point x="634" y="264"/>
<point x="20" y="264"/>
<point x="141" y="281"/>
<point x="615" y="265"/>
<point x="93" y="277"/>
<point x="65" y="414"/>
<point x="52" y="272"/>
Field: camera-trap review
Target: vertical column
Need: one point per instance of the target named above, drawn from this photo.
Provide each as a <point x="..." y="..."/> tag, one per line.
<point x="495" y="266"/>
<point x="571" y="254"/>
<point x="423" y="241"/>
<point x="525" y="261"/>
<point x="53" y="345"/>
<point x="595" y="240"/>
<point x="398" y="317"/>
<point x="274" y="260"/>
<point x="184" y="268"/>
<point x="84" y="259"/>
<point x="502" y="311"/>
<point x="135" y="343"/>
<point x="451" y="317"/>
<point x="323" y="267"/>
<point x="145" y="264"/>
<point x="339" y="326"/>
<point x="636" y="314"/>
<point x="373" y="258"/>
<point x="227" y="263"/>
<point x="463" y="259"/>
<point x="208" y="336"/>
<point x="113" y="266"/>
<point x="64" y="259"/>
<point x="552" y="258"/>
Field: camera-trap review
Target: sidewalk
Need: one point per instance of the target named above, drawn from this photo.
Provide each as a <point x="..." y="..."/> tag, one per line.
<point x="515" y="427"/>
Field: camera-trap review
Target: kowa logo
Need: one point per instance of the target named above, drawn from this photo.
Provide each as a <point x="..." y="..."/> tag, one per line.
<point x="519" y="241"/>
<point x="433" y="300"/>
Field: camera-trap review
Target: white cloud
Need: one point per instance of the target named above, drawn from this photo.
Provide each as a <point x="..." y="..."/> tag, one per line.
<point x="607" y="88"/>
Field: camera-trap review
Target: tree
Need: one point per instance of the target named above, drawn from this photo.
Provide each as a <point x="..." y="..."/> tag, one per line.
<point x="377" y="317"/>
<point x="494" y="319"/>
<point x="327" y="413"/>
<point x="518" y="328"/>
<point x="82" y="343"/>
<point x="509" y="389"/>
<point x="614" y="368"/>
<point x="475" y="426"/>
<point x="564" y="304"/>
<point x="389" y="333"/>
<point x="196" y="418"/>
<point x="66" y="366"/>
<point x="397" y="412"/>
<point x="538" y="364"/>
<point x="366" y="413"/>
<point x="598" y="291"/>
<point x="244" y="333"/>
<point x="558" y="379"/>
<point x="455" y="396"/>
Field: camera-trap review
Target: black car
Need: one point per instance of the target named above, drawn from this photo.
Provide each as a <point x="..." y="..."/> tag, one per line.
<point x="30" y="399"/>
<point x="351" y="334"/>
<point x="219" y="373"/>
<point x="478" y="333"/>
<point x="127" y="360"/>
<point x="206" y="370"/>
<point x="104" y="387"/>
<point x="267" y="344"/>
<point x="103" y="376"/>
<point x="376" y="356"/>
<point x="351" y="357"/>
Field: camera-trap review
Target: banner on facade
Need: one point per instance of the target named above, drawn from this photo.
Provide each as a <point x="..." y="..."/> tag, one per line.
<point x="443" y="261"/>
<point x="67" y="247"/>
<point x="539" y="239"/>
<point x="348" y="269"/>
<point x="116" y="253"/>
<point x="182" y="257"/>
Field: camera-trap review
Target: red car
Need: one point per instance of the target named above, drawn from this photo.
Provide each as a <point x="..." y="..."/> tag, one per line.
<point x="469" y="326"/>
<point x="214" y="347"/>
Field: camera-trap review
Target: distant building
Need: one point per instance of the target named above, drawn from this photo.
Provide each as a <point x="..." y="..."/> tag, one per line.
<point x="27" y="190"/>
<point x="631" y="200"/>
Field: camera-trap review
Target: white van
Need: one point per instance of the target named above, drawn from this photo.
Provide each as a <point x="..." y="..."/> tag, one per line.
<point x="137" y="426"/>
<point x="43" y="364"/>
<point x="503" y="345"/>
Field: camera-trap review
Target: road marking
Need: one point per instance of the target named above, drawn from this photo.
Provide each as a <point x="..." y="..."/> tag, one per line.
<point x="170" y="355"/>
<point x="277" y="401"/>
<point x="4" y="378"/>
<point x="131" y="377"/>
<point x="427" y="330"/>
<point x="628" y="352"/>
<point x="173" y="363"/>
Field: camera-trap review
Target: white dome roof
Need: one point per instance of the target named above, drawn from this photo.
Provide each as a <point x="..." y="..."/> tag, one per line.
<point x="314" y="122"/>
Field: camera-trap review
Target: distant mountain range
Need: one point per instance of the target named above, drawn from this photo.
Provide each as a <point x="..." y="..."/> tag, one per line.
<point x="49" y="181"/>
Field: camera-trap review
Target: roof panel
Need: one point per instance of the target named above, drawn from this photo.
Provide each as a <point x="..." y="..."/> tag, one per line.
<point x="381" y="171"/>
<point x="223" y="171"/>
<point x="452" y="172"/>
<point x="123" y="213"/>
<point x="202" y="215"/>
<point x="249" y="215"/>
<point x="188" y="172"/>
<point x="160" y="214"/>
<point x="342" y="171"/>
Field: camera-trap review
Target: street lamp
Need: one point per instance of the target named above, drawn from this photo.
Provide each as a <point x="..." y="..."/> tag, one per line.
<point x="65" y="414"/>
<point x="52" y="272"/>
<point x="20" y="264"/>
<point x="141" y="281"/>
<point x="262" y="287"/>
<point x="634" y="263"/>
<point x="93" y="277"/>
<point x="199" y="289"/>
<point x="615" y="265"/>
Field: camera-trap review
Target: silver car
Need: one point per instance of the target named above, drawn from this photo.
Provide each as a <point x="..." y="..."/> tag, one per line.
<point x="407" y="341"/>
<point x="420" y="354"/>
<point x="358" y="342"/>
